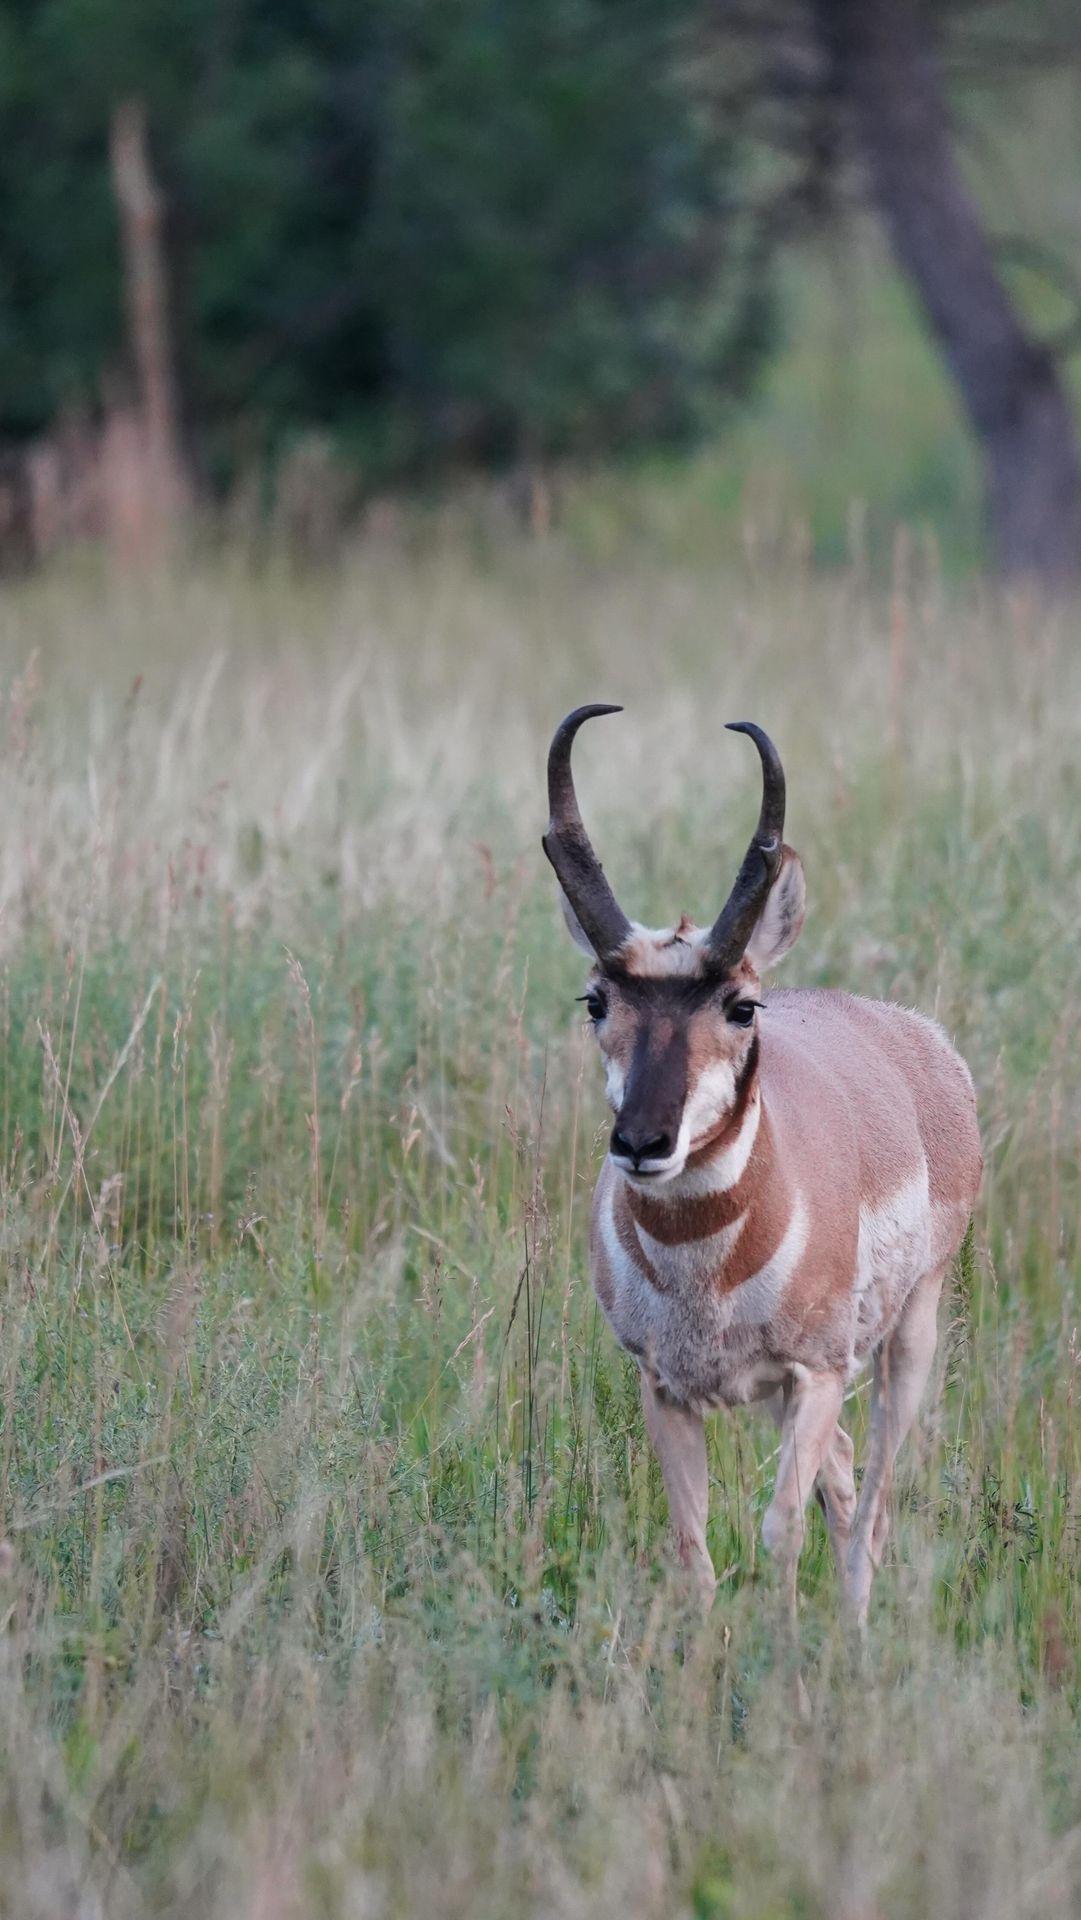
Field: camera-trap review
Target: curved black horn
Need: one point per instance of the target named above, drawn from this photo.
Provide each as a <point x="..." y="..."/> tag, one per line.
<point x="567" y="845"/>
<point x="736" y="921"/>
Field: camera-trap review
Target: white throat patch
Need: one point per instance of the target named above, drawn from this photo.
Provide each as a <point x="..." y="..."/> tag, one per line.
<point x="727" y="1168"/>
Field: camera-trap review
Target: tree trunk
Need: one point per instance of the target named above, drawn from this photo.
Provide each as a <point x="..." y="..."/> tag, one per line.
<point x="149" y="474"/>
<point x="884" y="67"/>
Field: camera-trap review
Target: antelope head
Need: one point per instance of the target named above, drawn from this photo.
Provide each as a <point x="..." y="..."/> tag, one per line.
<point x="676" y="1010"/>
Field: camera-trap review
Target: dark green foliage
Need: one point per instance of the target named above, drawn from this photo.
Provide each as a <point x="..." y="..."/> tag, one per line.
<point x="433" y="228"/>
<point x="554" y="226"/>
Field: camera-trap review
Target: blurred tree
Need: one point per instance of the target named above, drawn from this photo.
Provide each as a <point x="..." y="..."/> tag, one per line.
<point x="262" y="132"/>
<point x="433" y="225"/>
<point x="852" y="94"/>
<point x="486" y="228"/>
<point x="882" y="62"/>
<point x="558" y="237"/>
<point x="161" y="498"/>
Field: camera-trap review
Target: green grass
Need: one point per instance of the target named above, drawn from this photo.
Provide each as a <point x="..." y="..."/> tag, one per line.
<point x="335" y="1579"/>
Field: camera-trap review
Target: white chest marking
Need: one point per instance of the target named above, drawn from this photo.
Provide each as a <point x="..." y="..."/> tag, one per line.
<point x="693" y="1263"/>
<point x="728" y="1167"/>
<point x="755" y="1302"/>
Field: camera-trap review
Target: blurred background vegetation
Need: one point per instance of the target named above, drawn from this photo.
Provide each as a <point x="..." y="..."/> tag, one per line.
<point x="329" y="250"/>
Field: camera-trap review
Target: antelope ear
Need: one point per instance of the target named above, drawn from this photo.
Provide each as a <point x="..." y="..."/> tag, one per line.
<point x="575" y="928"/>
<point x="781" y="919"/>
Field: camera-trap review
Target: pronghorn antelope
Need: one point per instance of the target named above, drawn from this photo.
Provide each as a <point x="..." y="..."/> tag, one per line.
<point x="787" y="1181"/>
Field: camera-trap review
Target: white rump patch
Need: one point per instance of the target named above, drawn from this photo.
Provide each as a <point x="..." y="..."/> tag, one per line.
<point x="756" y="1301"/>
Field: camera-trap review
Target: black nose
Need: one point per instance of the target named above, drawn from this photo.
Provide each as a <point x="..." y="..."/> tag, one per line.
<point x="639" y="1146"/>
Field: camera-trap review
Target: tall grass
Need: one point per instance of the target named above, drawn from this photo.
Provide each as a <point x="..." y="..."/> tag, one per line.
<point x="334" y="1578"/>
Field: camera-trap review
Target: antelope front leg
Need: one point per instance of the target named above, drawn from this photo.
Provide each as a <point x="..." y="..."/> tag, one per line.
<point x="679" y="1441"/>
<point x="808" y="1429"/>
<point x="837" y="1488"/>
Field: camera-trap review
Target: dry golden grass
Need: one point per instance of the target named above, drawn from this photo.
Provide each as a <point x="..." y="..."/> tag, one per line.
<point x="335" y="1581"/>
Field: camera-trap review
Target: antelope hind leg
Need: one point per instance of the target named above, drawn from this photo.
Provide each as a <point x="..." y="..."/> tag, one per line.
<point x="835" y="1487"/>
<point x="901" y="1369"/>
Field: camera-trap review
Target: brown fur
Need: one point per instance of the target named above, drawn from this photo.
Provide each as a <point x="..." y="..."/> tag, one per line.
<point x="854" y="1194"/>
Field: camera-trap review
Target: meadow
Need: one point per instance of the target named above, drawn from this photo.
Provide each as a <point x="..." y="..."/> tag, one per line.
<point x="333" y="1578"/>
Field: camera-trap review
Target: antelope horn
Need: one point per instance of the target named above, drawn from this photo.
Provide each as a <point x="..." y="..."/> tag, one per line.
<point x="567" y="845"/>
<point x="736" y="921"/>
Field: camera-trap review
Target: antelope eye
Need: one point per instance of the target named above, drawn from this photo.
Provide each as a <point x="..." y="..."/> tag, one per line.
<point x="596" y="1004"/>
<point x="741" y="1013"/>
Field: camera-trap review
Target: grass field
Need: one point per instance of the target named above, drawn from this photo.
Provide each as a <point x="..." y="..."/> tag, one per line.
<point x="334" y="1576"/>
